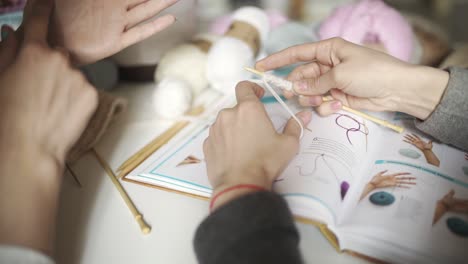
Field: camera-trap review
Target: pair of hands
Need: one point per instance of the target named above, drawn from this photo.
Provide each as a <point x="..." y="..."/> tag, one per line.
<point x="450" y="204"/>
<point x="358" y="77"/>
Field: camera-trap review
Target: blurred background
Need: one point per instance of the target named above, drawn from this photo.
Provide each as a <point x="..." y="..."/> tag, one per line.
<point x="451" y="15"/>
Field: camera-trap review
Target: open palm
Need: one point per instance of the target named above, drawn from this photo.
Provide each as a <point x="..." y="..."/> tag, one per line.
<point x="94" y="29"/>
<point x="381" y="180"/>
<point x="416" y="141"/>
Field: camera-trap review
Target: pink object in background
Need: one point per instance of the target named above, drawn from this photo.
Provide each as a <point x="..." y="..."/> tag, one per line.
<point x="221" y="24"/>
<point x="371" y="22"/>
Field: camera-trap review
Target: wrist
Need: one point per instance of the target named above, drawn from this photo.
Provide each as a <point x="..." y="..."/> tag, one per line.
<point x="423" y="92"/>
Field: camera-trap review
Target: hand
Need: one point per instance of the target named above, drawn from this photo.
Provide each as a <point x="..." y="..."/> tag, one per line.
<point x="95" y="29"/>
<point x="466" y="156"/>
<point x="380" y="180"/>
<point x="359" y="77"/>
<point x="46" y="106"/>
<point x="444" y="205"/>
<point x="392" y="180"/>
<point x="416" y="141"/>
<point x="243" y="146"/>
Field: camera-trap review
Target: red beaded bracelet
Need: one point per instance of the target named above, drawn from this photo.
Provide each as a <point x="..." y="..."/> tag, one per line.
<point x="232" y="188"/>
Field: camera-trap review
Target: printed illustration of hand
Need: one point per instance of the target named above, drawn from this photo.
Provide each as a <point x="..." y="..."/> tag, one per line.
<point x="443" y="206"/>
<point x="94" y="29"/>
<point x="466" y="156"/>
<point x="425" y="147"/>
<point x="46" y="105"/>
<point x="243" y="146"/>
<point x="358" y="77"/>
<point x="380" y="180"/>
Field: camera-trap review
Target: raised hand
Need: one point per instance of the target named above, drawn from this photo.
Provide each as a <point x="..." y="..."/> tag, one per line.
<point x="94" y="29"/>
<point x="425" y="147"/>
<point x="416" y="141"/>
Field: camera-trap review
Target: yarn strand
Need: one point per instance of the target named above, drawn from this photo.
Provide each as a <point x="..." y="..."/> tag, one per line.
<point x="265" y="81"/>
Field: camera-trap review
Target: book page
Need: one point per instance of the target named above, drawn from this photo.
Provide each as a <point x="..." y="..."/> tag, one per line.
<point x="400" y="197"/>
<point x="315" y="183"/>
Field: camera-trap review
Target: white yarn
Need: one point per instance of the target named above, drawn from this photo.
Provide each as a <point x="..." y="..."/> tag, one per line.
<point x="172" y="98"/>
<point x="266" y="79"/>
<point x="225" y="65"/>
<point x="256" y="17"/>
<point x="186" y="62"/>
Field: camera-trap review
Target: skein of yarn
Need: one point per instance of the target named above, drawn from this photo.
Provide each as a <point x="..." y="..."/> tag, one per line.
<point x="237" y="49"/>
<point x="181" y="76"/>
<point x="373" y="23"/>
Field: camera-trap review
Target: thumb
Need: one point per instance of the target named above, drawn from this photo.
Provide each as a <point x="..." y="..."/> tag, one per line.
<point x="292" y="128"/>
<point x="8" y="47"/>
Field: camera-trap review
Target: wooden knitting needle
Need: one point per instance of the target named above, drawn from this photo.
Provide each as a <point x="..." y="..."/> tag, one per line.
<point x="376" y="120"/>
<point x="137" y="158"/>
<point x="145" y="228"/>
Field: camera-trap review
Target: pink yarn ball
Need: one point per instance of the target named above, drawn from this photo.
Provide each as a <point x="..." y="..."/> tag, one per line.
<point x="371" y="21"/>
<point x="221" y="24"/>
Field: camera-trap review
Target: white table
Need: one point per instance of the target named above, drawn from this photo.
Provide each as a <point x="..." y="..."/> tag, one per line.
<point x="95" y="226"/>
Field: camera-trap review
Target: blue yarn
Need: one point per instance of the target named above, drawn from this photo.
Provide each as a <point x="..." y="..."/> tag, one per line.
<point x="382" y="198"/>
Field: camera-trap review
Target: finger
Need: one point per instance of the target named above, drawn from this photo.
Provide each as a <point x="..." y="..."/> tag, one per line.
<point x="292" y="128"/>
<point x="330" y="107"/>
<point x="406" y="183"/>
<point x="288" y="94"/>
<point x="308" y="71"/>
<point x="146" y="10"/>
<point x="246" y="91"/>
<point x="382" y="172"/>
<point x="314" y="100"/>
<point x="8" y="47"/>
<point x="144" y="31"/>
<point x="327" y="52"/>
<point x="400" y="174"/>
<point x="36" y="26"/>
<point x="317" y="86"/>
<point x="416" y="136"/>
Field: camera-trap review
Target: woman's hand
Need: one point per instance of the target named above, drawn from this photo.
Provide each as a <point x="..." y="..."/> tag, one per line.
<point x="94" y="29"/>
<point x="46" y="105"/>
<point x="243" y="146"/>
<point x="359" y="77"/>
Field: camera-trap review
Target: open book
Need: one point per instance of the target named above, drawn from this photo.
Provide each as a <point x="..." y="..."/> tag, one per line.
<point x="393" y="197"/>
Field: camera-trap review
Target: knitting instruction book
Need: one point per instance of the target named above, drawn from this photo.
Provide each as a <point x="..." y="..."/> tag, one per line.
<point x="394" y="197"/>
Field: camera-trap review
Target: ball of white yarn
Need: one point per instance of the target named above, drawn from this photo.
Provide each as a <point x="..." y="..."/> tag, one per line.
<point x="256" y="17"/>
<point x="186" y="62"/>
<point x="228" y="56"/>
<point x="226" y="62"/>
<point x="172" y="98"/>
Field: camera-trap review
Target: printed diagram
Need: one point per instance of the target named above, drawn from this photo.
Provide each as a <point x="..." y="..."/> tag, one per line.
<point x="322" y="166"/>
<point x="351" y="125"/>
<point x="382" y="181"/>
<point x="449" y="203"/>
<point x="424" y="147"/>
<point x="190" y="160"/>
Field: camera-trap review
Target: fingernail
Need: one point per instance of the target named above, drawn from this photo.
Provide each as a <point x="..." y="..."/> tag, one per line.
<point x="301" y="86"/>
<point x="315" y="100"/>
<point x="5" y="32"/>
<point x="305" y="116"/>
<point x="336" y="105"/>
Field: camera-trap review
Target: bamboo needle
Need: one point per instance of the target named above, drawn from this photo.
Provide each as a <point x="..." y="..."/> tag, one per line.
<point x="155" y="144"/>
<point x="145" y="228"/>
<point x="376" y="120"/>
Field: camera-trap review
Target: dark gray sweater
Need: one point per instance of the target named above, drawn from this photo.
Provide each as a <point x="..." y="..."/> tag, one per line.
<point x="258" y="228"/>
